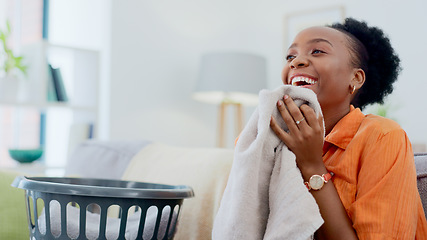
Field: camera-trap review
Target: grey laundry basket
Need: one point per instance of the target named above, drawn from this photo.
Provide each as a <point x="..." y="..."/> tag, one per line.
<point x="95" y="196"/>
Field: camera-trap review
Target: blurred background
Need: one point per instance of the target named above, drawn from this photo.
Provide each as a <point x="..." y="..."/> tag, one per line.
<point x="130" y="68"/>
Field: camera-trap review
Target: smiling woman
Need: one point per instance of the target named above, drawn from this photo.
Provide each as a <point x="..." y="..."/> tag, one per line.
<point x="323" y="48"/>
<point x="348" y="66"/>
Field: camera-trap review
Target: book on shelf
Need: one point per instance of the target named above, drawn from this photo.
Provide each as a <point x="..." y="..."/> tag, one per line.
<point x="42" y="136"/>
<point x="58" y="84"/>
<point x="51" y="91"/>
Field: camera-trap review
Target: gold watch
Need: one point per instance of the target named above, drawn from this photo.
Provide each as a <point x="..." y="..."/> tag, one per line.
<point x="316" y="182"/>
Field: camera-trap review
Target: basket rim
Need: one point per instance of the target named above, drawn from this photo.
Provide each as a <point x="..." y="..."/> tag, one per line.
<point x="102" y="187"/>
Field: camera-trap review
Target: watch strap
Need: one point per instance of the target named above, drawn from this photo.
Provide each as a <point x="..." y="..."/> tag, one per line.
<point x="327" y="176"/>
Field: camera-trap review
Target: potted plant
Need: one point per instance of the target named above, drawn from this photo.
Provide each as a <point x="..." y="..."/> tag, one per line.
<point x="10" y="61"/>
<point x="12" y="68"/>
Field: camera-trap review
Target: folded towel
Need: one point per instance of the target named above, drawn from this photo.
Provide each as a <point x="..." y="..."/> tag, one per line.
<point x="265" y="197"/>
<point x="112" y="227"/>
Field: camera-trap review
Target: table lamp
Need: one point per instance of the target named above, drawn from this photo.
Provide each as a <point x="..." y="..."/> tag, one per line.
<point x="230" y="79"/>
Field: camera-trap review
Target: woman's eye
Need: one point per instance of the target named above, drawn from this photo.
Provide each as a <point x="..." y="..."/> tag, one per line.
<point x="316" y="51"/>
<point x="290" y="57"/>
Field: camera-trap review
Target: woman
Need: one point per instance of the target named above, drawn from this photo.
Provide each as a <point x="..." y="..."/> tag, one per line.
<point x="373" y="192"/>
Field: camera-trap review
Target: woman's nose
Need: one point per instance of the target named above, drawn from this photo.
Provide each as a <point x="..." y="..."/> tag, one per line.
<point x="299" y="62"/>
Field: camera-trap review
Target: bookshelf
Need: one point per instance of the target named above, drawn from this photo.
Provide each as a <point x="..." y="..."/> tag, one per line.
<point x="80" y="70"/>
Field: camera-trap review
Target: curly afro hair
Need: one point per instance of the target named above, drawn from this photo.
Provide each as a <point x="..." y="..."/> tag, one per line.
<point x="372" y="52"/>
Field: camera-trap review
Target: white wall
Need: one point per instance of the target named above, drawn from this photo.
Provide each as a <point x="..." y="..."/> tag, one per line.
<point x="2" y="13"/>
<point x="156" y="47"/>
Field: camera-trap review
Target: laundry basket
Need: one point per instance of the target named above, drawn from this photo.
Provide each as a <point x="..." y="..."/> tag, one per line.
<point x="84" y="208"/>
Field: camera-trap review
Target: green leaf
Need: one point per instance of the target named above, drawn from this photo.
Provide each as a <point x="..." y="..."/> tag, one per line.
<point x="8" y="27"/>
<point x="23" y="69"/>
<point x="10" y="60"/>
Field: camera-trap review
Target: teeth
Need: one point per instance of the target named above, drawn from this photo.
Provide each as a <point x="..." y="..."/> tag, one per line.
<point x="302" y="79"/>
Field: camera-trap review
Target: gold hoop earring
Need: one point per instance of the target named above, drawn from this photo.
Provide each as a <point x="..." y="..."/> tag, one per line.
<point x="354" y="89"/>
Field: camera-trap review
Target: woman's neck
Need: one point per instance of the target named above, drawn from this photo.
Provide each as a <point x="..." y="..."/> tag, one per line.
<point x="332" y="116"/>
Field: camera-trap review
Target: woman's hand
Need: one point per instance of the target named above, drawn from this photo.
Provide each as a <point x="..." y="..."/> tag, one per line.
<point x="305" y="140"/>
<point x="305" y="135"/>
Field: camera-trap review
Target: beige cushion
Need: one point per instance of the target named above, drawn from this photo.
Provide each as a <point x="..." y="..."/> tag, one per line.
<point x="206" y="170"/>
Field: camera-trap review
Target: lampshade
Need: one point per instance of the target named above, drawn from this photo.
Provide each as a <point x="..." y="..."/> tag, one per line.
<point x="231" y="77"/>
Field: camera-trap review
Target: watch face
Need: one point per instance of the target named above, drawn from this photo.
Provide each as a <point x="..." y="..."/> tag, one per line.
<point x="316" y="182"/>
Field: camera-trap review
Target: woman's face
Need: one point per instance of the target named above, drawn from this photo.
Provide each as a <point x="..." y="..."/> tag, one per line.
<point x="319" y="59"/>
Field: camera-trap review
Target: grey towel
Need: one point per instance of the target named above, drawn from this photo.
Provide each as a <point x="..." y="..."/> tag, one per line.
<point x="265" y="197"/>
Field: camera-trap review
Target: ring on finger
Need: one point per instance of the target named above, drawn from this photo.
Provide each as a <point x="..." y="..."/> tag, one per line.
<point x="298" y="122"/>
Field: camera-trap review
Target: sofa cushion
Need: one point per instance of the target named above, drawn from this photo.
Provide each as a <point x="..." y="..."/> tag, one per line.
<point x="206" y="170"/>
<point x="421" y="166"/>
<point x="102" y="159"/>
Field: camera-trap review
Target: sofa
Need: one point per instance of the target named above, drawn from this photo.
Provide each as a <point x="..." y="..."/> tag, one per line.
<point x="421" y="166"/>
<point x="204" y="169"/>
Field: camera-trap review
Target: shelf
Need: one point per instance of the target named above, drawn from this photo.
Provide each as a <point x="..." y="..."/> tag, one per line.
<point x="47" y="105"/>
<point x="36" y="168"/>
<point x="63" y="124"/>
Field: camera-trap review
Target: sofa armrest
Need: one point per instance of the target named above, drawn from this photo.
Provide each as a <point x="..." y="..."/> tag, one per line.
<point x="13" y="216"/>
<point x="421" y="166"/>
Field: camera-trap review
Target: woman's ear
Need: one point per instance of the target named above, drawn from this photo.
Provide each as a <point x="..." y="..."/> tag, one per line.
<point x="358" y="78"/>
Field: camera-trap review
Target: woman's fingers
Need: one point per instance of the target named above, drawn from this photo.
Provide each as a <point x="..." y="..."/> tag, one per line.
<point x="316" y="123"/>
<point x="310" y="117"/>
<point x="305" y="135"/>
<point x="284" y="136"/>
<point x="297" y="119"/>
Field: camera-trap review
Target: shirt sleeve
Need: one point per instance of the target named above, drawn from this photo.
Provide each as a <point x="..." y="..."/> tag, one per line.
<point x="386" y="195"/>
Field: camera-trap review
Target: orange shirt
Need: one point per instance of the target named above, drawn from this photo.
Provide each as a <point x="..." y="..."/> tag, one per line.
<point x="375" y="177"/>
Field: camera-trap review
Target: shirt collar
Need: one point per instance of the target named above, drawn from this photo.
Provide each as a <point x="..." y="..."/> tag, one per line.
<point x="344" y="131"/>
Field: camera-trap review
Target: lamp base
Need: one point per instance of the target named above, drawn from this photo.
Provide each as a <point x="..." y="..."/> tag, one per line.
<point x="222" y="116"/>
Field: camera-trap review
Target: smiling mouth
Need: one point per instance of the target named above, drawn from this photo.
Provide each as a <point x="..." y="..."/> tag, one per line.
<point x="302" y="81"/>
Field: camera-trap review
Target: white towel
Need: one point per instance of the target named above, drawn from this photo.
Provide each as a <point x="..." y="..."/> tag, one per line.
<point x="265" y="197"/>
<point x="113" y="224"/>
